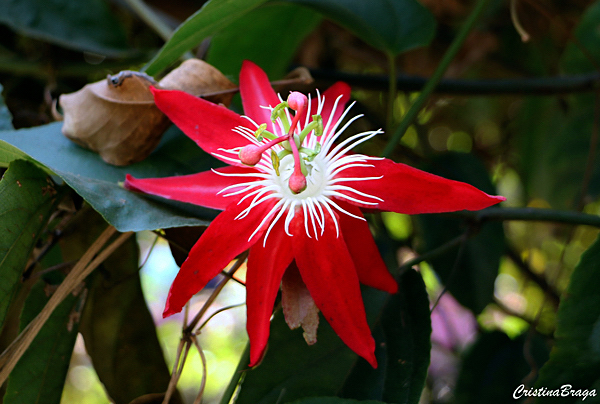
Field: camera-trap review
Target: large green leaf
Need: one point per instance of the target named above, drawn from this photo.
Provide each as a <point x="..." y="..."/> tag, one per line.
<point x="288" y="25"/>
<point x="83" y="25"/>
<point x="403" y="340"/>
<point x="98" y="182"/>
<point x="5" y="115"/>
<point x="291" y="369"/>
<point x="496" y="365"/>
<point x="27" y="198"/>
<point x="469" y="274"/>
<point x="393" y="26"/>
<point x="575" y="358"/>
<point x="40" y="374"/>
<point x="212" y="17"/>
<point x="117" y="327"/>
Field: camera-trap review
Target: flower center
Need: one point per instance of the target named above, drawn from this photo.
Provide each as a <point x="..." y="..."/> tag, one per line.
<point x="316" y="178"/>
<point x="288" y="148"/>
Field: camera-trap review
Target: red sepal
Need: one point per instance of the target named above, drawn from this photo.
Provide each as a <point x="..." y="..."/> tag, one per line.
<point x="405" y="189"/>
<point x="199" y="189"/>
<point x="209" y="125"/>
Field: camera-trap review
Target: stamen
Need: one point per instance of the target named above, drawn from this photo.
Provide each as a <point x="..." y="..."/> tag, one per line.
<point x="251" y="154"/>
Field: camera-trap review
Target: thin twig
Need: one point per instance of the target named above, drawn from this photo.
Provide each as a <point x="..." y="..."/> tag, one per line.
<point x="215" y="293"/>
<point x="198" y="399"/>
<point x="222" y="309"/>
<point x="175" y="373"/>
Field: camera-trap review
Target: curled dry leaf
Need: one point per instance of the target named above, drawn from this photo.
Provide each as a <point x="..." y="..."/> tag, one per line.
<point x="117" y="117"/>
<point x="199" y="78"/>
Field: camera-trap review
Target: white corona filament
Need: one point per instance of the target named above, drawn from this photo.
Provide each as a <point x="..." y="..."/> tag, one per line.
<point x="323" y="184"/>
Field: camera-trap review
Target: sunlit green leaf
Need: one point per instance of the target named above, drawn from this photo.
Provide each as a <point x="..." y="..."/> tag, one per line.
<point x="575" y="358"/>
<point x="98" y="182"/>
<point x="40" y="374"/>
<point x="394" y="26"/>
<point x="287" y="24"/>
<point x="212" y="17"/>
<point x="403" y="344"/>
<point x="9" y="153"/>
<point x="27" y="198"/>
<point x="82" y="25"/>
<point x="470" y="271"/>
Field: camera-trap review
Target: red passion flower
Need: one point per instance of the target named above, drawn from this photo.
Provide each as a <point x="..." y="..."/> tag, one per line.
<point x="293" y="195"/>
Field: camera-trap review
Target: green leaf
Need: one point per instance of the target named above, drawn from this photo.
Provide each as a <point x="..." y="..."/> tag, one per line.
<point x="209" y="20"/>
<point x="245" y="39"/>
<point x="117" y="327"/>
<point x="333" y="400"/>
<point x="10" y="153"/>
<point x="393" y="26"/>
<point x="5" y="116"/>
<point x="98" y="182"/>
<point x="27" y="198"/>
<point x="403" y="341"/>
<point x="291" y="369"/>
<point x="575" y="358"/>
<point x="81" y="25"/>
<point x="40" y="374"/>
<point x="496" y="365"/>
<point x="469" y="274"/>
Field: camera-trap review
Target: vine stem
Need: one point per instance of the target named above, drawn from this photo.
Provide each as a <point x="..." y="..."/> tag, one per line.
<point x="392" y="90"/>
<point x="237" y="376"/>
<point x="531" y="215"/>
<point x="411" y="114"/>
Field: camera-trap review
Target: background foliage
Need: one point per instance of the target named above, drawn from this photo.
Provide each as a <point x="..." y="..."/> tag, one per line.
<point x="488" y="300"/>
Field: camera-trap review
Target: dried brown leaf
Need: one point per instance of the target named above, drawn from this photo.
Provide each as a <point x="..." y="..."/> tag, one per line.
<point x="196" y="77"/>
<point x="117" y="117"/>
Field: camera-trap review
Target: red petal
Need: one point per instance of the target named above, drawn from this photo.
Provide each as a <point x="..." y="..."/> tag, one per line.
<point x="256" y="91"/>
<point x="209" y="125"/>
<point x="199" y="189"/>
<point x="266" y="266"/>
<point x="329" y="274"/>
<point x="370" y="267"/>
<point x="224" y="239"/>
<point x="405" y="189"/>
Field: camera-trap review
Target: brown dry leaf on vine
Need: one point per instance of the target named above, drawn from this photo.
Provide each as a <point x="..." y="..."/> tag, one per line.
<point x="117" y="117"/>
